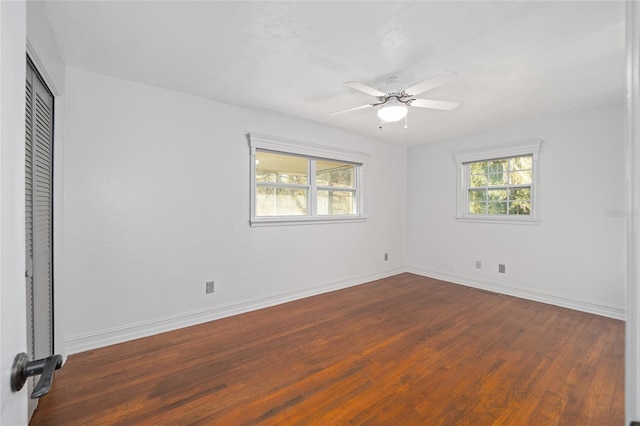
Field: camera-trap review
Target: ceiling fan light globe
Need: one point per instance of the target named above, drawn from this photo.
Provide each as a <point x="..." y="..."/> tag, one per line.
<point x="391" y="113"/>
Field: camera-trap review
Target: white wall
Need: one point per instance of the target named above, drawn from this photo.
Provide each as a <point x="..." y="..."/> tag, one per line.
<point x="157" y="202"/>
<point x="575" y="257"/>
<point x="42" y="47"/>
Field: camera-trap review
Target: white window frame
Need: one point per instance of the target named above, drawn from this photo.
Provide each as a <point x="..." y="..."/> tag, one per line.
<point x="464" y="158"/>
<point x="310" y="151"/>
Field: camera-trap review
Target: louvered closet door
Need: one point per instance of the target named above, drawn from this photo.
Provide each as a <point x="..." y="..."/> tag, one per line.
<point x="38" y="220"/>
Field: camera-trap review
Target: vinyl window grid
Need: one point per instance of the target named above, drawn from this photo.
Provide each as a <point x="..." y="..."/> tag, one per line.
<point x="312" y="153"/>
<point x="464" y="161"/>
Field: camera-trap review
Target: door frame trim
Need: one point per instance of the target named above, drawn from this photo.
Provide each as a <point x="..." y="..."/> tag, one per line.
<point x="632" y="157"/>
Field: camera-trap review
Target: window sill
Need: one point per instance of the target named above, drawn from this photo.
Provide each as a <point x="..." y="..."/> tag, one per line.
<point x="500" y="219"/>
<point x="304" y="221"/>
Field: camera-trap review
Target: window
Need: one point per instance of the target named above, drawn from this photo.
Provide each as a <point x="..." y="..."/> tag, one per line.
<point x="294" y="182"/>
<point x="499" y="185"/>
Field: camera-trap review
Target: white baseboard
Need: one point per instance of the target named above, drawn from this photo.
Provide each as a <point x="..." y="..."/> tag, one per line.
<point x="591" y="307"/>
<point x="173" y="322"/>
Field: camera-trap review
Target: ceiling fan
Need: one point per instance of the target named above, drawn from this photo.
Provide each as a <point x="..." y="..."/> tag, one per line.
<point x="394" y="101"/>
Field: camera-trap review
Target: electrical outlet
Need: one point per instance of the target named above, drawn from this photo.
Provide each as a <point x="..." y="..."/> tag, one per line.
<point x="209" y="287"/>
<point x="386" y="256"/>
<point x="478" y="264"/>
<point x="502" y="268"/>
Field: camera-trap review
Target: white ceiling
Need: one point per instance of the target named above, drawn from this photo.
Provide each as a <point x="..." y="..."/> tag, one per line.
<point x="516" y="60"/>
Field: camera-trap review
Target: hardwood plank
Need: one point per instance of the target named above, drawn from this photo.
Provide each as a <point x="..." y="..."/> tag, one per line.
<point x="402" y="350"/>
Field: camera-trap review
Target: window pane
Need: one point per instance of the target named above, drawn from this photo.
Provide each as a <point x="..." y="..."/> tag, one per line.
<point x="520" y="193"/>
<point x="477" y="194"/>
<point x="520" y="208"/>
<point x="521" y="163"/>
<point x="281" y="201"/>
<point x="498" y="166"/>
<point x="521" y="178"/>
<point x="480" y="168"/>
<point x="497" y="207"/>
<point x="476" y="207"/>
<point x="336" y="202"/>
<point x="331" y="173"/>
<point x="279" y="168"/>
<point x="498" y="179"/>
<point x="497" y="194"/>
<point x="478" y="180"/>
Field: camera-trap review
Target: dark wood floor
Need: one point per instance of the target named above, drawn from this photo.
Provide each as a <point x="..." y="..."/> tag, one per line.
<point x="399" y="351"/>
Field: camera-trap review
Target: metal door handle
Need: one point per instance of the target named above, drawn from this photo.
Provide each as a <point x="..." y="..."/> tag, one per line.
<point x="23" y="368"/>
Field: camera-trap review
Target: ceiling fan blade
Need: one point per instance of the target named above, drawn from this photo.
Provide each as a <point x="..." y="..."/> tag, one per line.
<point x="364" y="88"/>
<point x="353" y="109"/>
<point x="427" y="103"/>
<point x="431" y="83"/>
